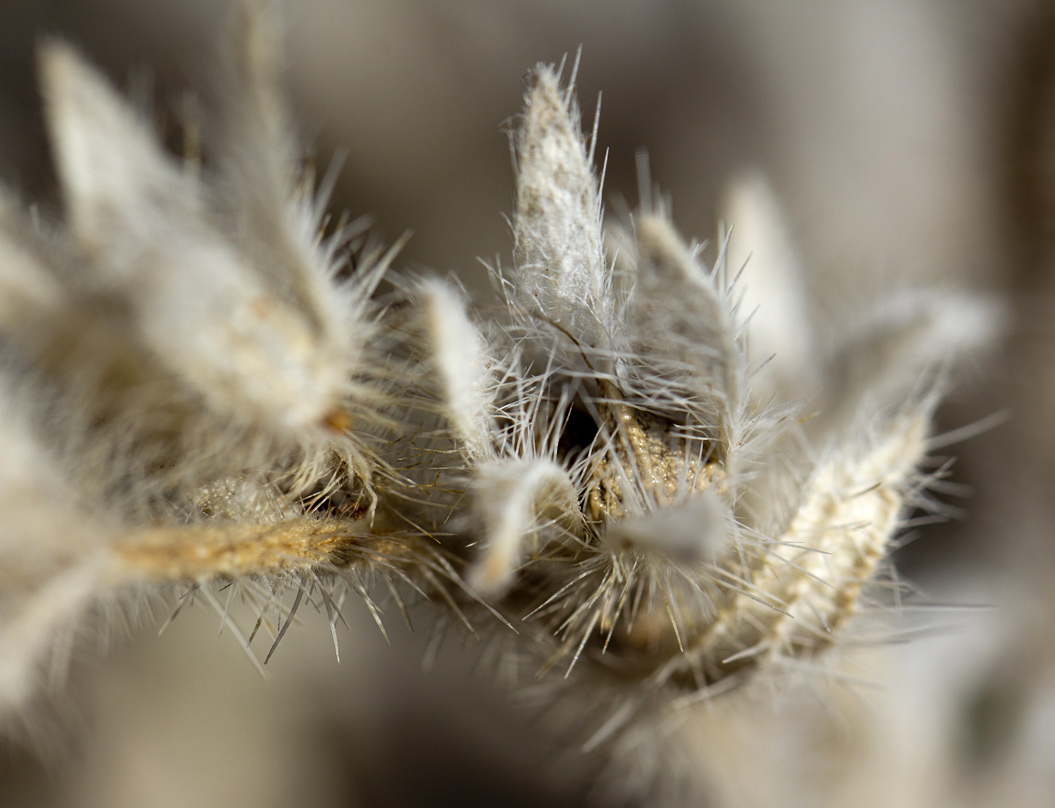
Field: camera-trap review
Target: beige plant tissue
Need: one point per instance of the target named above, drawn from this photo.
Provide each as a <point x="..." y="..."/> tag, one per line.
<point x="633" y="497"/>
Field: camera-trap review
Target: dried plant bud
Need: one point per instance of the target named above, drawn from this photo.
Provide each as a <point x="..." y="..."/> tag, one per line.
<point x="560" y="271"/>
<point x="800" y="587"/>
<point x="261" y="186"/>
<point x="902" y="346"/>
<point x="695" y="535"/>
<point x="683" y="335"/>
<point x="774" y="302"/>
<point x="520" y="507"/>
<point x="209" y="398"/>
<point x="182" y="288"/>
<point x="463" y="366"/>
<point x="590" y="465"/>
<point x="255" y="132"/>
<point x="696" y="531"/>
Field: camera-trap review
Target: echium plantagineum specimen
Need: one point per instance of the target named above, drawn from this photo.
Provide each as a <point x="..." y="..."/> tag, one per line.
<point x="196" y="391"/>
<point x="188" y="375"/>
<point x="644" y="495"/>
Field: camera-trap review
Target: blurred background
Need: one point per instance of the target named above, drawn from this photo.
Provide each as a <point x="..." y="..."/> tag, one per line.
<point x="910" y="142"/>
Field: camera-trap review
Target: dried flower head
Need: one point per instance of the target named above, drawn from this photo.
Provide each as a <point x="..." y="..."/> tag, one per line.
<point x="653" y="470"/>
<point x="188" y="372"/>
<point x="645" y="496"/>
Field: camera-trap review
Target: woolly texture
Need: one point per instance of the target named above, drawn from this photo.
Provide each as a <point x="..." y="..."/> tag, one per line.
<point x="708" y="536"/>
<point x="600" y="464"/>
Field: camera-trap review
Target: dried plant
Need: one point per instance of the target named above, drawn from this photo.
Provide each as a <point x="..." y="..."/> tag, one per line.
<point x="641" y="474"/>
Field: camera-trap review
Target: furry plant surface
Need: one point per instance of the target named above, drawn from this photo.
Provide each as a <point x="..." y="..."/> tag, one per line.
<point x="643" y="479"/>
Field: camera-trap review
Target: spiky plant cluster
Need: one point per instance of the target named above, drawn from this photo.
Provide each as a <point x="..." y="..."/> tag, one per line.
<point x="189" y="383"/>
<point x="655" y="471"/>
<point x="642" y="489"/>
